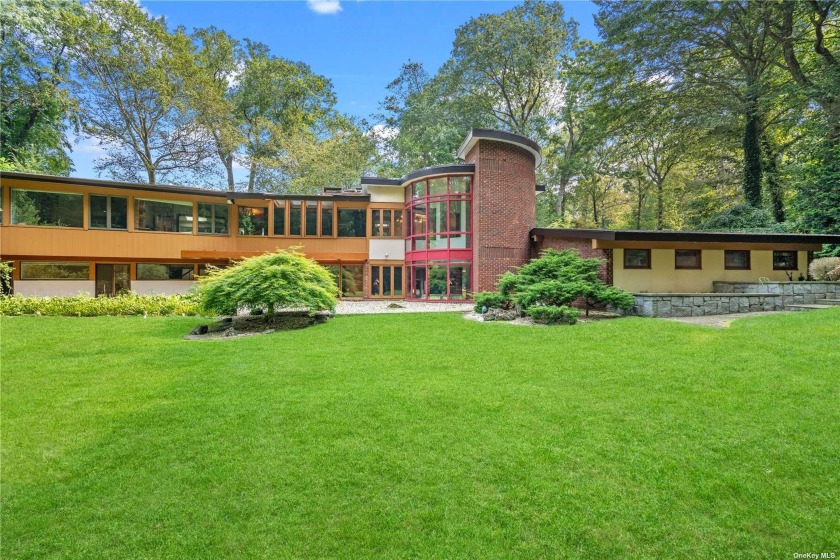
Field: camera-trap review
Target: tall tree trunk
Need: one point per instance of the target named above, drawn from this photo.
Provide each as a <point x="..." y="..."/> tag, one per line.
<point x="152" y="175"/>
<point x="774" y="185"/>
<point x="560" y="206"/>
<point x="752" y="152"/>
<point x="660" y="205"/>
<point x="252" y="176"/>
<point x="640" y="203"/>
<point x="228" y="162"/>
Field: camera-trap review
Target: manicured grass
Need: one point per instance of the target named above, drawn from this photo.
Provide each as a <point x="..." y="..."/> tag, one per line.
<point x="421" y="436"/>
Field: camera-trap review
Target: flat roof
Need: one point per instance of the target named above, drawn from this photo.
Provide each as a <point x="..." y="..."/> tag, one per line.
<point x="687" y="236"/>
<point x="175" y="189"/>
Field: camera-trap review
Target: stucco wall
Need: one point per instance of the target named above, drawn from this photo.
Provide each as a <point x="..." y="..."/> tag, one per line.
<point x="161" y="287"/>
<point x="53" y="288"/>
<point x="387" y="249"/>
<point x="386" y="194"/>
<point x="664" y="277"/>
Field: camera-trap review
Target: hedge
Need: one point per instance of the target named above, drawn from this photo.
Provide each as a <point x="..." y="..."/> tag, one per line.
<point x="86" y="306"/>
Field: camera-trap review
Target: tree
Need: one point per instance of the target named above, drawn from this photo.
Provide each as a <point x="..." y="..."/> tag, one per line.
<point x="721" y="47"/>
<point x="219" y="59"/>
<point x="274" y="281"/>
<point x="276" y="98"/>
<point x="36" y="106"/>
<point x="548" y="285"/>
<point x="508" y="63"/>
<point x="133" y="79"/>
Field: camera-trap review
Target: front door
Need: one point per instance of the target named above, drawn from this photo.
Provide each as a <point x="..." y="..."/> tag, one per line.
<point x="112" y="279"/>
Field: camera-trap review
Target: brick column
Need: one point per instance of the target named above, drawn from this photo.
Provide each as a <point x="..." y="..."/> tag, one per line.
<point x="504" y="209"/>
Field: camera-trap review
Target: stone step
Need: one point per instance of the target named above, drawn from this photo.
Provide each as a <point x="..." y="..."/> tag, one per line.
<point x="807" y="307"/>
<point x="828" y="301"/>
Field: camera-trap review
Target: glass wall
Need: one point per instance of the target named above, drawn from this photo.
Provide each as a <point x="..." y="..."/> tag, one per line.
<point x="440" y="280"/>
<point x="160" y="215"/>
<point x="352" y="281"/>
<point x="212" y="218"/>
<point x="439" y="238"/>
<point x="386" y="223"/>
<point x="39" y="208"/>
<point x="253" y="220"/>
<point x="108" y="212"/>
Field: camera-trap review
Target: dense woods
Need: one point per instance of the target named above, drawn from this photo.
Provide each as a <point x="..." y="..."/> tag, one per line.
<point x="684" y="115"/>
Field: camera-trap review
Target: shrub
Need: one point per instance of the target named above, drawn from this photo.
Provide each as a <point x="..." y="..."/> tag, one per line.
<point x="490" y="300"/>
<point x="819" y="269"/>
<point x="559" y="278"/>
<point x="553" y="315"/>
<point x="834" y="275"/>
<point x="86" y="306"/>
<point x="285" y="279"/>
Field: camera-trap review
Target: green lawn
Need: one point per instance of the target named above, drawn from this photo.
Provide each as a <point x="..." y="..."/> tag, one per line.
<point x="421" y="436"/>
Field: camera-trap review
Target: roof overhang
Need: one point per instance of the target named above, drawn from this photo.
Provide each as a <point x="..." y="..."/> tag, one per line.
<point x="461" y="168"/>
<point x="477" y="134"/>
<point x="604" y="238"/>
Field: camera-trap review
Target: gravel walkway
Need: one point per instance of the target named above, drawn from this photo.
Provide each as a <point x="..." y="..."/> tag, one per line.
<point x="368" y="307"/>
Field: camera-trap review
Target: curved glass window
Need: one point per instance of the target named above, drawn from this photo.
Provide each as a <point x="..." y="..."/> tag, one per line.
<point x="439" y="238"/>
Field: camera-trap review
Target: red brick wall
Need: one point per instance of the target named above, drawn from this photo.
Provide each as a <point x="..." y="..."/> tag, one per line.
<point x="504" y="209"/>
<point x="583" y="246"/>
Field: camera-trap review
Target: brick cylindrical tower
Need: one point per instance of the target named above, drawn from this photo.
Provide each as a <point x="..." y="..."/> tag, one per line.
<point x="504" y="201"/>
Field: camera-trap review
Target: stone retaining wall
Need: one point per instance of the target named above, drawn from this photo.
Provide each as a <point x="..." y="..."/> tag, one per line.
<point x="734" y="297"/>
<point x="697" y="305"/>
<point x="794" y="293"/>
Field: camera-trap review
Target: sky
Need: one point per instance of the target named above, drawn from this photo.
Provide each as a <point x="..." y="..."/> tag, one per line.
<point x="359" y="45"/>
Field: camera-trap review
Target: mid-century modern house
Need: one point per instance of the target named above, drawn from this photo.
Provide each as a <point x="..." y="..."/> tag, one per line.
<point x="439" y="233"/>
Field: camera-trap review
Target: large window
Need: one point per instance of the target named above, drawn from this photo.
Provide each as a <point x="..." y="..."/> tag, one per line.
<point x="163" y="215"/>
<point x="279" y="217"/>
<point x="636" y="258"/>
<point x="54" y="271"/>
<point x="785" y="260"/>
<point x="386" y="223"/>
<point x="386" y="281"/>
<point x="253" y="220"/>
<point x="439" y="214"/>
<point x="440" y="280"/>
<point x="212" y="218"/>
<point x="295" y="217"/>
<point x="147" y="271"/>
<point x="736" y="260"/>
<point x="688" y="259"/>
<point x="311" y="218"/>
<point x="108" y="212"/>
<point x="327" y="219"/>
<point x="39" y="208"/>
<point x="351" y="222"/>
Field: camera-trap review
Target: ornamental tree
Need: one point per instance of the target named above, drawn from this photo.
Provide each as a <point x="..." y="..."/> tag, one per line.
<point x="558" y="279"/>
<point x="285" y="279"/>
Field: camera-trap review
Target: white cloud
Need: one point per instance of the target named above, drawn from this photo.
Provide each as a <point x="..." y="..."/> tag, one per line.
<point x="324" y="6"/>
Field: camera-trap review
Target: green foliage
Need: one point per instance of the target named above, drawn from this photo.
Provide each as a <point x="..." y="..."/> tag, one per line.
<point x="553" y="315"/>
<point x="559" y="278"/>
<point x="34" y="69"/>
<point x="742" y="217"/>
<point x="490" y="300"/>
<point x="285" y="279"/>
<point x="86" y="306"/>
<point x="6" y="269"/>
